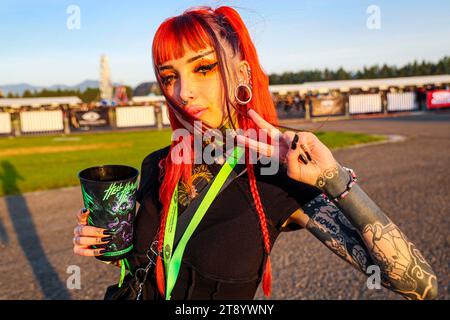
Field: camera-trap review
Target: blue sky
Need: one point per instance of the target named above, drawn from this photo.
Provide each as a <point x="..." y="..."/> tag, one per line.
<point x="37" y="47"/>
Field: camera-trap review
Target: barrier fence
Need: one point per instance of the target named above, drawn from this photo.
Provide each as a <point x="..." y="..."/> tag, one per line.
<point x="41" y="121"/>
<point x="5" y="123"/>
<point x="365" y="103"/>
<point x="406" y="101"/>
<point x="66" y="120"/>
<point x="135" y="117"/>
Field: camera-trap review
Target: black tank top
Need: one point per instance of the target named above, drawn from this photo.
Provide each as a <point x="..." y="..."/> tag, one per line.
<point x="224" y="259"/>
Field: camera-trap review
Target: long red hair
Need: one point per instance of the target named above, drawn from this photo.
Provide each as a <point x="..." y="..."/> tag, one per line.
<point x="198" y="28"/>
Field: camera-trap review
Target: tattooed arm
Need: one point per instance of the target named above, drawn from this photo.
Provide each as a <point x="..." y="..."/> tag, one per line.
<point x="358" y="231"/>
<point x="327" y="223"/>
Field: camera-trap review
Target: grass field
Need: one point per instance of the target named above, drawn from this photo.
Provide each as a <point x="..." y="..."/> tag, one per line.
<point x="47" y="162"/>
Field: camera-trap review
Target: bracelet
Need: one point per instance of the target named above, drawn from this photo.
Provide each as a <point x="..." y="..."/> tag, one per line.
<point x="352" y="182"/>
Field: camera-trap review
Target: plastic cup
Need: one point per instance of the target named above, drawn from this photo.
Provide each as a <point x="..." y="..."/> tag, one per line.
<point x="109" y="192"/>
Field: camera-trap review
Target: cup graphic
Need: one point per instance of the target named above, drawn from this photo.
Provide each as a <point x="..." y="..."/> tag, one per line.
<point x="109" y="192"/>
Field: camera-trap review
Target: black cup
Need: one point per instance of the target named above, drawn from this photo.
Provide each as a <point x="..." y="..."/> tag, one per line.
<point x="109" y="192"/>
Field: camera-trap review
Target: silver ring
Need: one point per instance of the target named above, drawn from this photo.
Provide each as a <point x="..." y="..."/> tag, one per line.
<point x="247" y="87"/>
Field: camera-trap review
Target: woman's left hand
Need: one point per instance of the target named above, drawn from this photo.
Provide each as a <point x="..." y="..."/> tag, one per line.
<point x="290" y="150"/>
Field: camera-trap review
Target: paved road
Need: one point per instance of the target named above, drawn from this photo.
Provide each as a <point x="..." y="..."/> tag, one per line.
<point x="408" y="180"/>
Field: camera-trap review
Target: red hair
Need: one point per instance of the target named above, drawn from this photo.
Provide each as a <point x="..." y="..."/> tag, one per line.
<point x="198" y="28"/>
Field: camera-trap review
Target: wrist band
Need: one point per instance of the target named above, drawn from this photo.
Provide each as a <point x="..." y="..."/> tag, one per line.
<point x="352" y="182"/>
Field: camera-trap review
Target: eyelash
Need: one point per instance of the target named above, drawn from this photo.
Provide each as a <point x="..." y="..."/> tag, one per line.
<point x="206" y="68"/>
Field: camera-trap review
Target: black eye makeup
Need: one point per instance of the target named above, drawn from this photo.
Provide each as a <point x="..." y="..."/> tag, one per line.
<point x="166" y="80"/>
<point x="202" y="68"/>
<point x="205" y="68"/>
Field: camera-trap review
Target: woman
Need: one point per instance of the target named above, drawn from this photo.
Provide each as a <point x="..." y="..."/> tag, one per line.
<point x="208" y="70"/>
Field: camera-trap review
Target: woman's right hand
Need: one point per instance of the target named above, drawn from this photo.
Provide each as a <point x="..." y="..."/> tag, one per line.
<point x="85" y="236"/>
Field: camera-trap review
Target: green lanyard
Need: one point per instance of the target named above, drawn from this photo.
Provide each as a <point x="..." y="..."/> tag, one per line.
<point x="172" y="263"/>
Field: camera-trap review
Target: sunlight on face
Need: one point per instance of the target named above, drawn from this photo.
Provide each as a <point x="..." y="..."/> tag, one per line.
<point x="195" y="78"/>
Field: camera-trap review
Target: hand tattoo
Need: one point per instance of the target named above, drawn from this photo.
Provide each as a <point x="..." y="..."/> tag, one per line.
<point x="327" y="174"/>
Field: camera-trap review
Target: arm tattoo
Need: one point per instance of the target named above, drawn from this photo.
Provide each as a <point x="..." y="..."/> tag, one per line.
<point x="403" y="269"/>
<point x="330" y="226"/>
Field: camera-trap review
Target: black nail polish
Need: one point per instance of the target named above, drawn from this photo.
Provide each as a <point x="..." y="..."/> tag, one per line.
<point x="302" y="158"/>
<point x="84" y="210"/>
<point x="106" y="239"/>
<point x="309" y="157"/>
<point x="108" y="232"/>
<point x="294" y="142"/>
<point x="102" y="251"/>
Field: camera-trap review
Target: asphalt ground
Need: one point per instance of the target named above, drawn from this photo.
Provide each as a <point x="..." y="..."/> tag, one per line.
<point x="408" y="179"/>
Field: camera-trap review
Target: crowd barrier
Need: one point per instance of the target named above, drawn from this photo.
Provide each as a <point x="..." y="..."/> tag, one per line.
<point x="41" y="121"/>
<point x="365" y="103"/>
<point x="135" y="117"/>
<point x="165" y="115"/>
<point x="5" y="123"/>
<point x="406" y="101"/>
<point x="154" y="114"/>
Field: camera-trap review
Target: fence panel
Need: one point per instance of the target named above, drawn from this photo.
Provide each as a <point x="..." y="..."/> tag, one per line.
<point x="405" y="101"/>
<point x="5" y="123"/>
<point x="165" y="115"/>
<point x="41" y="121"/>
<point x="365" y="103"/>
<point x="135" y="116"/>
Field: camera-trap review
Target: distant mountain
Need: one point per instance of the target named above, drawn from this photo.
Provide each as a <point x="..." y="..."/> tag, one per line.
<point x="21" y="87"/>
<point x="146" y="88"/>
<point x="142" y="89"/>
<point x="81" y="86"/>
<point x="18" y="88"/>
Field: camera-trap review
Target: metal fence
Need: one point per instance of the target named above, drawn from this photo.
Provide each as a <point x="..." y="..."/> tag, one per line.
<point x="135" y="117"/>
<point x="365" y="103"/>
<point x="66" y="119"/>
<point x="5" y="123"/>
<point x="405" y="101"/>
<point x="41" y="121"/>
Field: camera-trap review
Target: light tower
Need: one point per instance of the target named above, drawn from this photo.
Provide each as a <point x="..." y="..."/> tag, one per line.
<point x="106" y="88"/>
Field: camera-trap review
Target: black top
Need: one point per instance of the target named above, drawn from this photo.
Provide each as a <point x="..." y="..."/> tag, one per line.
<point x="224" y="258"/>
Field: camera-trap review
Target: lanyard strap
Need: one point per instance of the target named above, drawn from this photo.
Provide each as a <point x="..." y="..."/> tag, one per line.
<point x="172" y="263"/>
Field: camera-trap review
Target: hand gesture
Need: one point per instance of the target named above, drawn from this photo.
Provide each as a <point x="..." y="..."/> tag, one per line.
<point x="304" y="155"/>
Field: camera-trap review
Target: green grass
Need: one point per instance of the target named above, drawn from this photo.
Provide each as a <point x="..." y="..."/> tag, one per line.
<point x="26" y="170"/>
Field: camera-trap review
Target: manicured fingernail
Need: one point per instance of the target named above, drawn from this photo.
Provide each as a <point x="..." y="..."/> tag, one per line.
<point x="309" y="157"/>
<point x="294" y="142"/>
<point x="102" y="251"/>
<point x="106" y="239"/>
<point x="301" y="157"/>
<point x="84" y="210"/>
<point x="108" y="232"/>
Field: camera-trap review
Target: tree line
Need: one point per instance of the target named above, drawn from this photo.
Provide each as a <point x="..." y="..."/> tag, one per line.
<point x="87" y="95"/>
<point x="415" y="68"/>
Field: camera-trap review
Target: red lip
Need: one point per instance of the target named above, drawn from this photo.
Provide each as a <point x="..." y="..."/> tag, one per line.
<point x="196" y="111"/>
